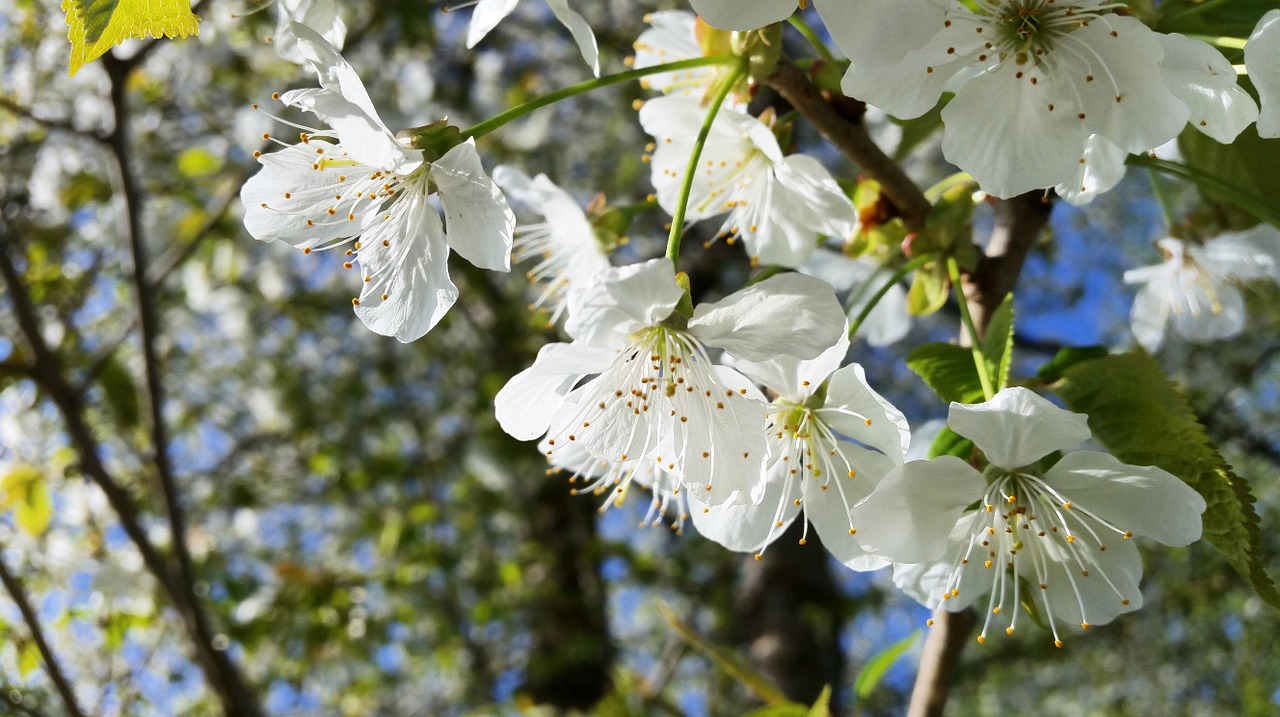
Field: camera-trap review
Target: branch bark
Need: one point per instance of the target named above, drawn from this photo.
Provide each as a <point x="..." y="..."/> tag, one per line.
<point x="851" y="138"/>
<point x="51" y="665"/>
<point x="1018" y="224"/>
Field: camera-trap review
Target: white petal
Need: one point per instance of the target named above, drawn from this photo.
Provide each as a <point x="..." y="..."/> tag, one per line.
<point x="290" y="197"/>
<point x="721" y="446"/>
<point x="1252" y="254"/>
<point x="478" y="220"/>
<point x="785" y="315"/>
<point x="1147" y="318"/>
<point x="626" y="298"/>
<point x="907" y="88"/>
<point x="526" y="403"/>
<point x="999" y="128"/>
<point x="854" y="410"/>
<point x="879" y="32"/>
<point x="671" y="38"/>
<point x="804" y="202"/>
<point x="1145" y="500"/>
<point x="745" y="528"/>
<point x="910" y="514"/>
<point x="830" y="510"/>
<point x="486" y="16"/>
<point x="1262" y="59"/>
<point x="319" y="15"/>
<point x="580" y="30"/>
<point x="1201" y="316"/>
<point x="1072" y="598"/>
<point x="1203" y="79"/>
<point x="1018" y="427"/>
<point x="743" y="14"/>
<point x="793" y="379"/>
<point x="1101" y="167"/>
<point x="406" y="259"/>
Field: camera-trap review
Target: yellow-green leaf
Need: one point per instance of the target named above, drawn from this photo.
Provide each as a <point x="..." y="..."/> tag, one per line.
<point x="95" y="26"/>
<point x="28" y="658"/>
<point x="27" y="495"/>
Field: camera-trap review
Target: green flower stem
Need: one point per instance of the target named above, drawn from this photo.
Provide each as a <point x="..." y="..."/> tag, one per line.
<point x="804" y="29"/>
<point x="691" y="170"/>
<point x="898" y="275"/>
<point x="979" y="361"/>
<point x="516" y="113"/>
<point x="1242" y="198"/>
<point x="1162" y="198"/>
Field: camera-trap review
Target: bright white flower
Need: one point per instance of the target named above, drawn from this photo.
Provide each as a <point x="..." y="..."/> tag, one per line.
<point x="671" y="37"/>
<point x="1033" y="81"/>
<point x="319" y="15"/>
<point x="745" y="15"/>
<point x="489" y="13"/>
<point x="357" y="182"/>
<point x="888" y="321"/>
<point x="569" y="257"/>
<point x="1058" y="539"/>
<point x="1262" y="59"/>
<point x="635" y="382"/>
<point x="1193" y="290"/>
<point x="831" y="438"/>
<point x="778" y="204"/>
<point x="612" y="479"/>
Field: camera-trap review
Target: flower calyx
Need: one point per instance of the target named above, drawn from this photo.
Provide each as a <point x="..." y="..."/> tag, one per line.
<point x="435" y="139"/>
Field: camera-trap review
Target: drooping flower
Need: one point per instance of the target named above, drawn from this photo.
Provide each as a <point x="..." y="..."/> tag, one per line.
<point x="831" y="438"/>
<point x="357" y="183"/>
<point x="1262" y="60"/>
<point x="488" y="13"/>
<point x="1193" y="288"/>
<point x="1058" y="539"/>
<point x="778" y="204"/>
<point x="319" y="15"/>
<point x="1034" y="80"/>
<point x="638" y="380"/>
<point x="568" y="255"/>
<point x="743" y="15"/>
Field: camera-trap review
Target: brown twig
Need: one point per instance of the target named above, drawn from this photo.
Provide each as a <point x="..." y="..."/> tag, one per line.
<point x="852" y="139"/>
<point x="51" y="666"/>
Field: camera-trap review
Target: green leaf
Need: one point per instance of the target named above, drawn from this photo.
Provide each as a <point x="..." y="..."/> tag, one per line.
<point x="928" y="291"/>
<point x="949" y="371"/>
<point x="1248" y="164"/>
<point x="195" y="162"/>
<point x="28" y="658"/>
<point x="1142" y="418"/>
<point x="27" y="494"/>
<point x="1066" y="358"/>
<point x="732" y="666"/>
<point x="822" y="705"/>
<point x="872" y="672"/>
<point x="917" y="130"/>
<point x="1198" y="17"/>
<point x="95" y="26"/>
<point x="121" y="392"/>
<point x="950" y="443"/>
<point x="997" y="345"/>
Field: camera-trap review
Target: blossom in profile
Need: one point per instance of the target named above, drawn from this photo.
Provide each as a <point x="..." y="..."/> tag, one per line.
<point x="1194" y="290"/>
<point x="567" y="255"/>
<point x="488" y="13"/>
<point x="779" y="205"/>
<point x="831" y="438"/>
<point x="1058" y="539"/>
<point x="1262" y="59"/>
<point x="356" y="185"/>
<point x="638" y="379"/>
<point x="1034" y="82"/>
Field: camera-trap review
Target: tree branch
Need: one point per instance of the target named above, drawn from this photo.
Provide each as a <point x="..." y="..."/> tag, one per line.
<point x="223" y="676"/>
<point x="1019" y="222"/>
<point x="19" y="594"/>
<point x="63" y="125"/>
<point x="852" y="139"/>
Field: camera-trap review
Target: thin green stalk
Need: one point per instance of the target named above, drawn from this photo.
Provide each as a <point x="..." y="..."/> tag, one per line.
<point x="979" y="361"/>
<point x="516" y="113"/>
<point x="1263" y="210"/>
<point x="1162" y="198"/>
<point x="691" y="170"/>
<point x="898" y="275"/>
<point x="804" y="29"/>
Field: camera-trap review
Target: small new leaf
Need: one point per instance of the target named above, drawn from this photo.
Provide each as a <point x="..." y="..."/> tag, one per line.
<point x="24" y="491"/>
<point x="949" y="371"/>
<point x="997" y="345"/>
<point x="95" y="26"/>
<point x="876" y="667"/>
<point x="1142" y="418"/>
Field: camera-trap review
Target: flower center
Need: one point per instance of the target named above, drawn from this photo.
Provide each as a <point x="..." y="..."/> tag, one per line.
<point x="1030" y="537"/>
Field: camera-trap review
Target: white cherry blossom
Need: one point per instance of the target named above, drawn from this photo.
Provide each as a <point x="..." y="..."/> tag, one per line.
<point x="319" y="15"/>
<point x="1193" y="289"/>
<point x="568" y="255"/>
<point x="638" y="380"/>
<point x="831" y="438"/>
<point x="488" y="13"/>
<point x="357" y="184"/>
<point x="1034" y="81"/>
<point x="671" y="37"/>
<point x="1262" y="59"/>
<point x="745" y="15"/>
<point x="778" y="204"/>
<point x="1058" y="539"/>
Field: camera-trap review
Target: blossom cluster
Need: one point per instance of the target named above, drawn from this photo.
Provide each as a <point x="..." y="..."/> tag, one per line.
<point x="742" y="414"/>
